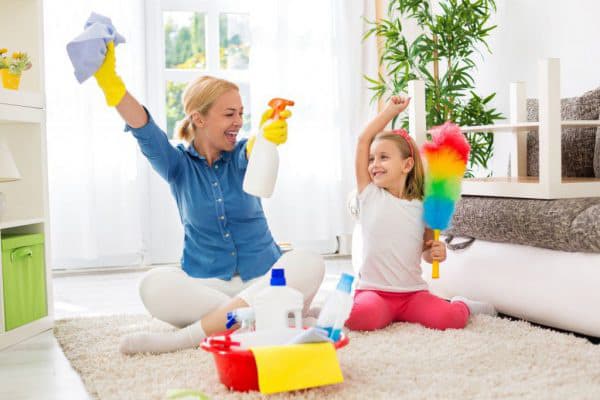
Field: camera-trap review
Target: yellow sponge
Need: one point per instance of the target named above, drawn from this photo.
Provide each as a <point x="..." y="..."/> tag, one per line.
<point x="299" y="366"/>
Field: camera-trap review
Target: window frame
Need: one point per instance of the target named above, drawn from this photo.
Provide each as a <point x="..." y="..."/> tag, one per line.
<point x="155" y="49"/>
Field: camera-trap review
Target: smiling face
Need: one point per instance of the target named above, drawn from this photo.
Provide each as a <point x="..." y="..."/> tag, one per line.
<point x="218" y="129"/>
<point x="388" y="168"/>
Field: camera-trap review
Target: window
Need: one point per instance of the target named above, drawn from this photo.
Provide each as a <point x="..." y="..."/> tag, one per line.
<point x="234" y="41"/>
<point x="198" y="38"/>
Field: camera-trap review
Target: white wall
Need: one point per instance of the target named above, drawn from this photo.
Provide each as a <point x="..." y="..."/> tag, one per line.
<point x="532" y="29"/>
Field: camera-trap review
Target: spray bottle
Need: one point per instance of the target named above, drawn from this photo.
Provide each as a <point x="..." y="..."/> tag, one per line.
<point x="337" y="308"/>
<point x="263" y="165"/>
<point x="244" y="316"/>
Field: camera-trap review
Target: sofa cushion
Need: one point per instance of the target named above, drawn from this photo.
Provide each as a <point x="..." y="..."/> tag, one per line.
<point x="563" y="224"/>
<point x="578" y="144"/>
<point x="597" y="155"/>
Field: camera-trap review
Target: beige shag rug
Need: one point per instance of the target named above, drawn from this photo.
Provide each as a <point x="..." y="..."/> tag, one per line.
<point x="492" y="358"/>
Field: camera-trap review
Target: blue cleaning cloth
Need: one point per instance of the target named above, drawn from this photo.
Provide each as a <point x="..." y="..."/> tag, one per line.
<point x="87" y="50"/>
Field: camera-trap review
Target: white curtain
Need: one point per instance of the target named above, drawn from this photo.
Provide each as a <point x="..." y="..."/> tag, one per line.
<point x="311" y="51"/>
<point x="92" y="164"/>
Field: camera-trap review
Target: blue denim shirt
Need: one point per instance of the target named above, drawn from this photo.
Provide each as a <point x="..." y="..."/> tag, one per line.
<point x="225" y="229"/>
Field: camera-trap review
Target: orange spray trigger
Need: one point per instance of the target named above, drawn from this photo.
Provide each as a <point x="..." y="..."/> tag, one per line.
<point x="278" y="105"/>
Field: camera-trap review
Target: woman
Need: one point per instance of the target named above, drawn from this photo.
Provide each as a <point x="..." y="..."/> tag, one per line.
<point x="228" y="248"/>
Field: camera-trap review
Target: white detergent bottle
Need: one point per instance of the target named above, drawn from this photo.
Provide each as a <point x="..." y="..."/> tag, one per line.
<point x="263" y="165"/>
<point x="337" y="308"/>
<point x="273" y="304"/>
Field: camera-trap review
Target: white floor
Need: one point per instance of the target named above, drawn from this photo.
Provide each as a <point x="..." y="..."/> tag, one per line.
<point x="37" y="368"/>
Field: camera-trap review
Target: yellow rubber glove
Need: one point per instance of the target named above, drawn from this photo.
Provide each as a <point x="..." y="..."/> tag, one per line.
<point x="274" y="132"/>
<point x="111" y="84"/>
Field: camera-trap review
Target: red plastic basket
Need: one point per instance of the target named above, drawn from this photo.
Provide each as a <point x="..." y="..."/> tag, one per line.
<point x="237" y="367"/>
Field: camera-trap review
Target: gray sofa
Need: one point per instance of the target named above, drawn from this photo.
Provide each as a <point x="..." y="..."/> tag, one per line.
<point x="564" y="224"/>
<point x="534" y="259"/>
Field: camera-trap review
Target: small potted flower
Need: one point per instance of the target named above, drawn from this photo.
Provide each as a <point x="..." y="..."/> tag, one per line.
<point x="3" y="59"/>
<point x="11" y="76"/>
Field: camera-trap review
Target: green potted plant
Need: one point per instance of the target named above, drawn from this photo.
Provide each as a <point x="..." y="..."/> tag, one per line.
<point x="442" y="56"/>
<point x="11" y="76"/>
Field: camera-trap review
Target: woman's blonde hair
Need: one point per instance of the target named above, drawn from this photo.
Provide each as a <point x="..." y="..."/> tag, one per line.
<point x="199" y="95"/>
<point x="413" y="188"/>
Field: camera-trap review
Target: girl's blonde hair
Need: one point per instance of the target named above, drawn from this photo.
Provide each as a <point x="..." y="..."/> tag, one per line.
<point x="199" y="95"/>
<point x="413" y="189"/>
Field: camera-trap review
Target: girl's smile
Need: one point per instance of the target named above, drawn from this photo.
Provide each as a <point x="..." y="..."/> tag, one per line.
<point x="388" y="167"/>
<point x="385" y="163"/>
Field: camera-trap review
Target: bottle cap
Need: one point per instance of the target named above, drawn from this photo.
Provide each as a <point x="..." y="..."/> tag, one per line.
<point x="231" y="320"/>
<point x="278" y="277"/>
<point x="345" y="283"/>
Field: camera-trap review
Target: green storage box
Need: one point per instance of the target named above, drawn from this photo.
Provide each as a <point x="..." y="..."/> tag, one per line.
<point x="23" y="279"/>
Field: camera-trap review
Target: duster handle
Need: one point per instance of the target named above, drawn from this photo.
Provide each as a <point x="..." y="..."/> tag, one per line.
<point x="435" y="265"/>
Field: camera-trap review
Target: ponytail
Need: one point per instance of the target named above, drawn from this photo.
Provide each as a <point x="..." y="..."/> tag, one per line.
<point x="184" y="130"/>
<point x="415" y="180"/>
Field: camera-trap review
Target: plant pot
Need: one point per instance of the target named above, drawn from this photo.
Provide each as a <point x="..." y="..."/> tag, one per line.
<point x="10" y="81"/>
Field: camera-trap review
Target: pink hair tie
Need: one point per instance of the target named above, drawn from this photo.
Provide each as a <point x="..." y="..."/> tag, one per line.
<point x="406" y="136"/>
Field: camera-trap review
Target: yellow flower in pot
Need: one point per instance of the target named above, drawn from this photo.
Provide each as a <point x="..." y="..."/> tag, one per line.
<point x="11" y="76"/>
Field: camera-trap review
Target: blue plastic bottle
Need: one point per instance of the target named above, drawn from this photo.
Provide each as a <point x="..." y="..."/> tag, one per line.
<point x="337" y="308"/>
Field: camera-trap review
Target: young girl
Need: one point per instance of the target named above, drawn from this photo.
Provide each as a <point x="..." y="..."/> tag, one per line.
<point x="389" y="175"/>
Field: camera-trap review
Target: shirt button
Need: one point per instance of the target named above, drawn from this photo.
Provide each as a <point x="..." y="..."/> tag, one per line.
<point x="233" y="253"/>
<point x="222" y="217"/>
<point x="215" y="183"/>
<point x="219" y="200"/>
<point x="216" y="166"/>
<point x="227" y="235"/>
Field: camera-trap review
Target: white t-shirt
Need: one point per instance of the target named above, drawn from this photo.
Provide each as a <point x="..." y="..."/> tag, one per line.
<point x="392" y="231"/>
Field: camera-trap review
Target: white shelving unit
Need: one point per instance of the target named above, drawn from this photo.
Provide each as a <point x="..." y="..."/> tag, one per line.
<point x="23" y="130"/>
<point x="549" y="184"/>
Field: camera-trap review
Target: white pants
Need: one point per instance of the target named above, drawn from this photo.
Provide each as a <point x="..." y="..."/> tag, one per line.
<point x="172" y="296"/>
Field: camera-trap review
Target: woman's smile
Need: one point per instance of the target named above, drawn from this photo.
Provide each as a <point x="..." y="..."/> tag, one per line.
<point x="231" y="136"/>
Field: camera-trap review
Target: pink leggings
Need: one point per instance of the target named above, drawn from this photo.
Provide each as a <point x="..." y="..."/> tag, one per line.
<point x="374" y="309"/>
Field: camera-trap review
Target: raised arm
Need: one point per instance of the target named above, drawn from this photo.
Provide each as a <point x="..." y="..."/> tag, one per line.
<point x="132" y="111"/>
<point x="395" y="106"/>
<point x="153" y="142"/>
<point x="114" y="90"/>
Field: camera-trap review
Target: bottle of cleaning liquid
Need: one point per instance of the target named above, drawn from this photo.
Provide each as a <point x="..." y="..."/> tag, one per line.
<point x="337" y="308"/>
<point x="263" y="165"/>
<point x="243" y="316"/>
<point x="273" y="304"/>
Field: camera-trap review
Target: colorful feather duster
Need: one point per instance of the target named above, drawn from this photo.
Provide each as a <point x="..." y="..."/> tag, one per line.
<point x="446" y="157"/>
